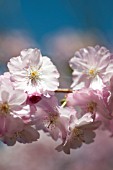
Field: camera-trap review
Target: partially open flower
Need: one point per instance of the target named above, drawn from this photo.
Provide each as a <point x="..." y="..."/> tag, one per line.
<point x="34" y="98"/>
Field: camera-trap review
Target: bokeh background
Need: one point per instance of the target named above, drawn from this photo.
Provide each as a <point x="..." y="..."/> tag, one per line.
<point x="58" y="28"/>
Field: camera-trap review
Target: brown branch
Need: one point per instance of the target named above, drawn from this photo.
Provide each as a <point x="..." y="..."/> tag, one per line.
<point x="64" y="91"/>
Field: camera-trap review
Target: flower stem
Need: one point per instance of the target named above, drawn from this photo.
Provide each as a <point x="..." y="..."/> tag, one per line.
<point x="64" y="90"/>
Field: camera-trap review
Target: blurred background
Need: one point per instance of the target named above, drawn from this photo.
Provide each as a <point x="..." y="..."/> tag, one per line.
<point x="58" y="28"/>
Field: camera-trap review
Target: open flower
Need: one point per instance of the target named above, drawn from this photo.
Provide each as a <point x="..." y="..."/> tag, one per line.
<point x="52" y="118"/>
<point x="89" y="100"/>
<point x="81" y="130"/>
<point x="33" y="73"/>
<point x="12" y="103"/>
<point x="89" y="66"/>
<point x="18" y="131"/>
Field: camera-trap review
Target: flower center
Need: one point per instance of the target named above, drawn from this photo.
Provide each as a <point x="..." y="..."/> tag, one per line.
<point x="33" y="74"/>
<point x="78" y="133"/>
<point x="50" y="121"/>
<point x="92" y="72"/>
<point x="4" y="108"/>
<point x="19" y="134"/>
<point x="91" y="107"/>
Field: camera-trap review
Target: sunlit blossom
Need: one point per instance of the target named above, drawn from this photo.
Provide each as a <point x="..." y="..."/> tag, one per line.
<point x="89" y="66"/>
<point x="33" y="73"/>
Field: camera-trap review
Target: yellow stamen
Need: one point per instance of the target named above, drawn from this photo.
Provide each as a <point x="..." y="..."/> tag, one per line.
<point x="92" y="72"/>
<point x="4" y="108"/>
<point x="78" y="133"/>
<point x="34" y="75"/>
<point x="91" y="107"/>
<point x="52" y="121"/>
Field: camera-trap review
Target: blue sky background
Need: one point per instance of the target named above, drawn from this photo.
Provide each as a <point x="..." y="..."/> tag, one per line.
<point x="43" y="17"/>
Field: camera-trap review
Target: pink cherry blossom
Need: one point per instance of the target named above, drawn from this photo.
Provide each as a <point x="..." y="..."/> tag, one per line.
<point x="18" y="131"/>
<point x="110" y="96"/>
<point x="33" y="73"/>
<point x="89" y="100"/>
<point x="52" y="118"/>
<point x="34" y="98"/>
<point x="28" y="103"/>
<point x="12" y="102"/>
<point x="81" y="130"/>
<point x="107" y="93"/>
<point x="109" y="72"/>
<point x="90" y="66"/>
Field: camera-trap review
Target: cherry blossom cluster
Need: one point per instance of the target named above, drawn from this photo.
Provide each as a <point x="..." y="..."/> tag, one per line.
<point x="28" y="102"/>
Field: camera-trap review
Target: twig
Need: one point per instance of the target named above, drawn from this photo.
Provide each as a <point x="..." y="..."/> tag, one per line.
<point x="64" y="91"/>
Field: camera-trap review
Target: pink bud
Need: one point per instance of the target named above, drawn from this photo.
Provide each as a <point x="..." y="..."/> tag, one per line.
<point x="34" y="98"/>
